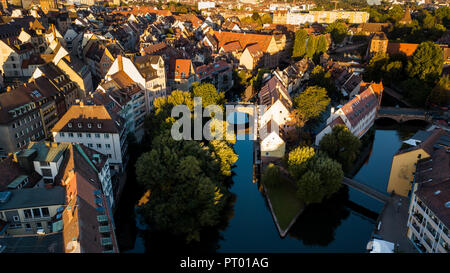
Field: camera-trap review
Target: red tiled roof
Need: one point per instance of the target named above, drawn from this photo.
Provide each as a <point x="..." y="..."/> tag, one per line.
<point x="356" y="109"/>
<point x="148" y="50"/>
<point x="244" y="39"/>
<point x="232" y="46"/>
<point x="401" y="48"/>
<point x="178" y="66"/>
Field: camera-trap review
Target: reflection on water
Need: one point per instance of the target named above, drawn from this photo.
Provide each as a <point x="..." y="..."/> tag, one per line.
<point x="248" y="226"/>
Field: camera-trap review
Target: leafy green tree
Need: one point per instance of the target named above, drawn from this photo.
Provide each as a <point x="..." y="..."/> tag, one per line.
<point x="225" y="154"/>
<point x="208" y="93"/>
<point x="322" y="45"/>
<point x="298" y="159"/>
<point x="266" y="19"/>
<point x="338" y="31"/>
<point x="374" y="70"/>
<point x="322" y="179"/>
<point x="186" y="193"/>
<point x="426" y="63"/>
<point x="443" y="16"/>
<point x="416" y="91"/>
<point x="271" y="175"/>
<point x="341" y="145"/>
<point x="323" y="79"/>
<point x="299" y="48"/>
<point x="310" y="104"/>
<point x="396" y="13"/>
<point x="311" y="46"/>
<point x="393" y="72"/>
<point x="440" y="95"/>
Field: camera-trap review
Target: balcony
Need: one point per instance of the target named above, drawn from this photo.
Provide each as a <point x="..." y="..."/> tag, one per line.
<point x="418" y="217"/>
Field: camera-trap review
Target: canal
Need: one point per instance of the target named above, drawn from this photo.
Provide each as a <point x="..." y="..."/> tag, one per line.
<point x="328" y="227"/>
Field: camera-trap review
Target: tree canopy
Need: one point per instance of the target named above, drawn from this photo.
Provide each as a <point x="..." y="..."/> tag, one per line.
<point x="440" y="95"/>
<point x="299" y="48"/>
<point x="338" y="31"/>
<point x="317" y="176"/>
<point x="188" y="191"/>
<point x="310" y="104"/>
<point x="341" y="145"/>
<point x="426" y="63"/>
<point x="208" y="93"/>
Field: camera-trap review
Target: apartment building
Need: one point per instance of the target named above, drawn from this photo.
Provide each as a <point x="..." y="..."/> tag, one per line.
<point x="181" y="74"/>
<point x="358" y="115"/>
<point x="219" y="73"/>
<point x="30" y="210"/>
<point x="147" y="71"/>
<point x="13" y="53"/>
<point x="429" y="217"/>
<point x="94" y="127"/>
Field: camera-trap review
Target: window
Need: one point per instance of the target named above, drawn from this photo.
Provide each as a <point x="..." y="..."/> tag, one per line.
<point x="38" y="225"/>
<point x="27" y="226"/>
<point x="89" y="125"/>
<point x="106" y="135"/>
<point x="61" y="134"/>
<point x="70" y="125"/>
<point x="16" y="218"/>
<point x="79" y="125"/>
<point x="80" y="135"/>
<point x="90" y="145"/>
<point x="70" y="134"/>
<point x="99" y="125"/>
<point x="27" y="213"/>
<point x="46" y="172"/>
<point x="97" y="135"/>
<point x="108" y="146"/>
<point x="109" y="155"/>
<point x="45" y="212"/>
<point x="88" y="135"/>
<point x="37" y="213"/>
<point x="99" y="146"/>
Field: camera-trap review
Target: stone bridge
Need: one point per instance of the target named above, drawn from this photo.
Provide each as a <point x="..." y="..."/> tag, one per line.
<point x="403" y="114"/>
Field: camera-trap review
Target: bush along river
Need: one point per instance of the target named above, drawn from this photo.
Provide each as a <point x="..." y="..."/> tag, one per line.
<point x="248" y="226"/>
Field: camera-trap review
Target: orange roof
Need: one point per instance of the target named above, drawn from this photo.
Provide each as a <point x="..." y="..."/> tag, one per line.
<point x="144" y="10"/>
<point x="181" y="66"/>
<point x="224" y="37"/>
<point x="401" y="48"/>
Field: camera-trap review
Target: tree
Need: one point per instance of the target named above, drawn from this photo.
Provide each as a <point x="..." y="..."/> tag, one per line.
<point x="440" y="95"/>
<point x="341" y="145"/>
<point x="338" y="31"/>
<point x="310" y="104"/>
<point x="323" y="79"/>
<point x="322" y="45"/>
<point x="374" y="70"/>
<point x="396" y="14"/>
<point x="271" y="175"/>
<point x="416" y="91"/>
<point x="322" y="179"/>
<point x="266" y="19"/>
<point x="443" y="16"/>
<point x="186" y="194"/>
<point x="426" y="62"/>
<point x="311" y="46"/>
<point x="299" y="48"/>
<point x="298" y="159"/>
<point x="208" y="93"/>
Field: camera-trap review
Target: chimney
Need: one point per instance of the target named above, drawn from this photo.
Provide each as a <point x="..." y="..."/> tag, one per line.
<point x="120" y="62"/>
<point x="31" y="24"/>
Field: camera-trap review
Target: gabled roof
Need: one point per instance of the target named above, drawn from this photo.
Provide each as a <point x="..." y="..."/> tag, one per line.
<point x="244" y="39"/>
<point x="178" y="66"/>
<point x="358" y="108"/>
<point x="96" y="115"/>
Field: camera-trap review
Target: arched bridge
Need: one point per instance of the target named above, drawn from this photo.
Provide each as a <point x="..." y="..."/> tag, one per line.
<point x="403" y="114"/>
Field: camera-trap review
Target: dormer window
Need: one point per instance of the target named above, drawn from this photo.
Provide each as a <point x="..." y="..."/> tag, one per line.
<point x="79" y="125"/>
<point x="69" y="124"/>
<point x="89" y="125"/>
<point x="99" y="125"/>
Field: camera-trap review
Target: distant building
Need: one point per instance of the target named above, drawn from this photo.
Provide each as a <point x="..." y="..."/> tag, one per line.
<point x="205" y="5"/>
<point x="48" y="5"/>
<point x="181" y="74"/>
<point x="325" y="17"/>
<point x="358" y="115"/>
<point x="404" y="161"/>
<point x="94" y="127"/>
<point x="406" y="18"/>
<point x="220" y="74"/>
<point x="378" y="44"/>
<point x="429" y="218"/>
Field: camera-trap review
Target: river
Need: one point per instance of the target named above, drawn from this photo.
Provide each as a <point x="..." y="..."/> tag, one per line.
<point x="329" y="227"/>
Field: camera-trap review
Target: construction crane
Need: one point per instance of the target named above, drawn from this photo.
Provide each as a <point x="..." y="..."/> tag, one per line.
<point x="335" y="4"/>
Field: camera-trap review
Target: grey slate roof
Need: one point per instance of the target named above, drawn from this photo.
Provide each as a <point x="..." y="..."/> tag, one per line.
<point x="34" y="197"/>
